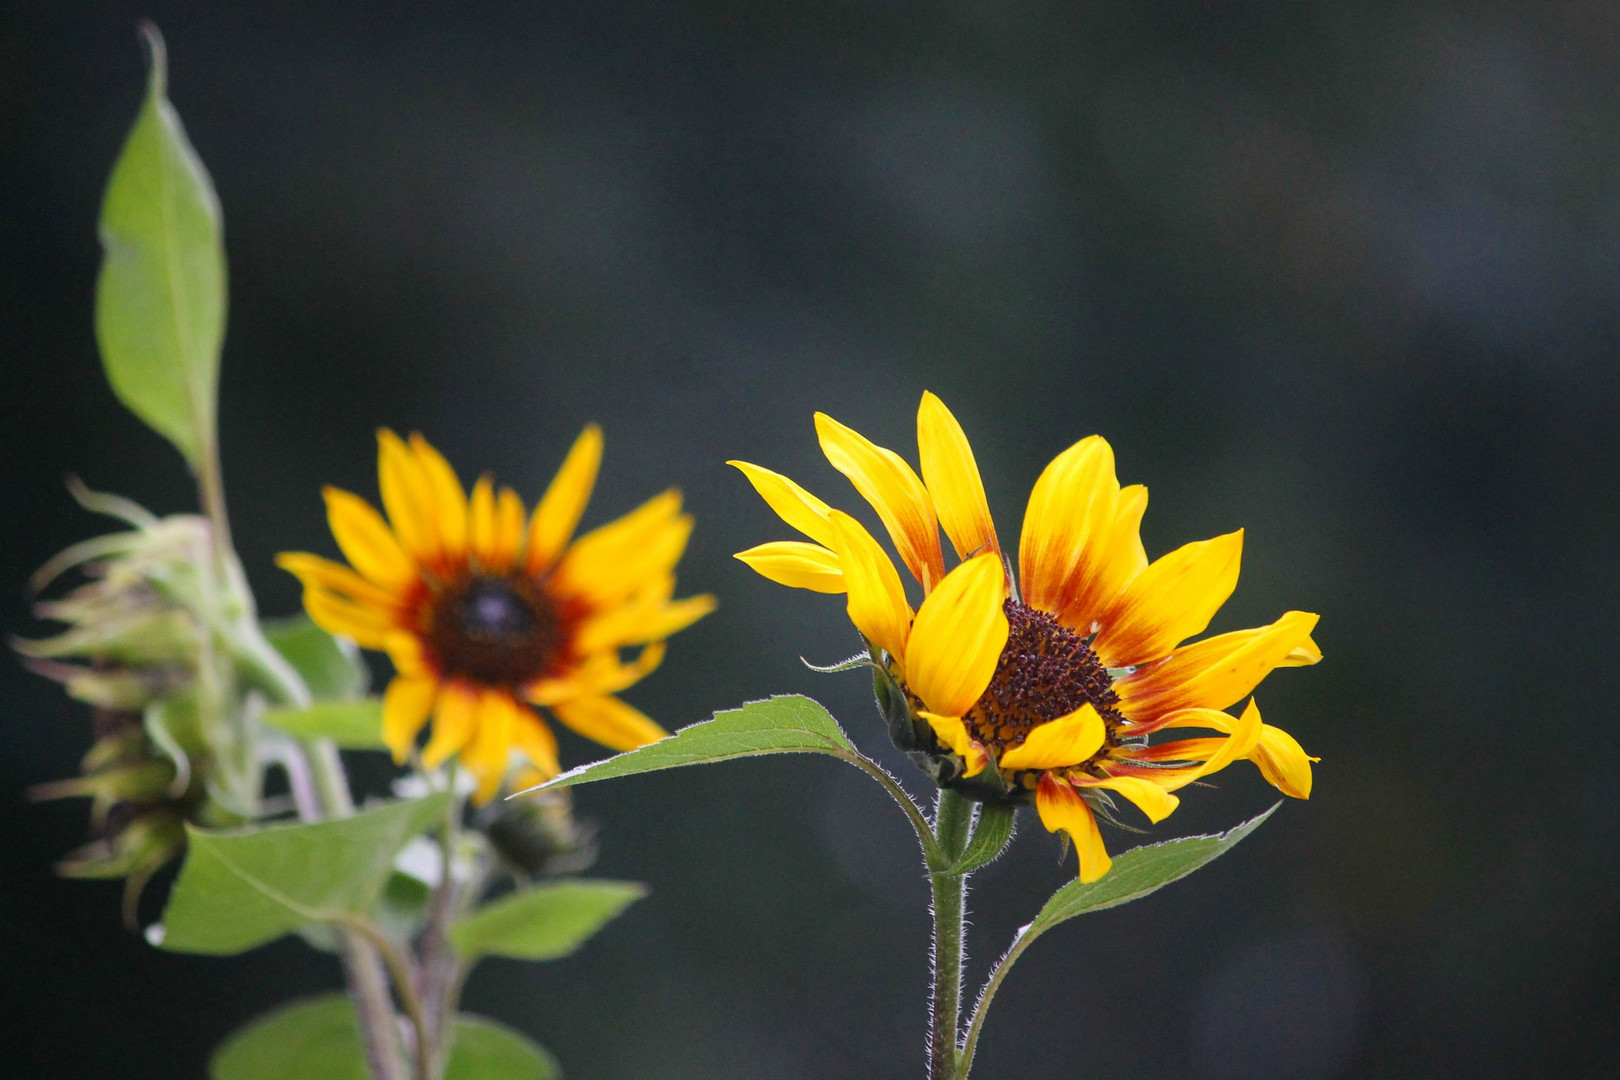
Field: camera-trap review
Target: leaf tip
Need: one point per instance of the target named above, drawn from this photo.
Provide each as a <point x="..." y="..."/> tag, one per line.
<point x="157" y="54"/>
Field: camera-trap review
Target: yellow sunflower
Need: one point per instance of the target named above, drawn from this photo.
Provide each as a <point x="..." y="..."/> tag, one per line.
<point x="1051" y="683"/>
<point x="486" y="611"/>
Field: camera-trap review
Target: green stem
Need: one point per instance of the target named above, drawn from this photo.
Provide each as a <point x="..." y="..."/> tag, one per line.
<point x="953" y="821"/>
<point x="405" y="983"/>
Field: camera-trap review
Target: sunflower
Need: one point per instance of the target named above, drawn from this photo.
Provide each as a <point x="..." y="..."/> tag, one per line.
<point x="486" y="611"/>
<point x="1049" y="684"/>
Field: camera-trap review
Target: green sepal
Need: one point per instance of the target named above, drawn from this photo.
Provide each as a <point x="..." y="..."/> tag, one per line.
<point x="318" y="1039"/>
<point x="543" y="922"/>
<point x="895" y="708"/>
<point x="243" y="888"/>
<point x="991" y="835"/>
<point x="160" y="297"/>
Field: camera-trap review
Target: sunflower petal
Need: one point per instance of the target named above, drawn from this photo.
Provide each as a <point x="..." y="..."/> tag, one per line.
<point x="481" y="522"/>
<point x="609" y="721"/>
<point x="406" y="704"/>
<point x="365" y="626"/>
<point x="1150" y="798"/>
<point x="316" y="572"/>
<point x="508" y="530"/>
<point x="615" y="560"/>
<point x="366" y="540"/>
<point x="1061" y="807"/>
<point x="877" y="601"/>
<point x="559" y="510"/>
<point x="1213" y="673"/>
<point x="885" y="480"/>
<point x="443" y="498"/>
<point x="455" y="722"/>
<point x="791" y="502"/>
<point x="797" y="565"/>
<point x="1068" y="740"/>
<point x="1283" y="762"/>
<point x="1170" y="601"/>
<point x="536" y="742"/>
<point x="1074" y="501"/>
<point x="489" y="752"/>
<point x="954" y="734"/>
<point x="952" y="477"/>
<point x="406" y="497"/>
<point x="406" y="651"/>
<point x="958" y="636"/>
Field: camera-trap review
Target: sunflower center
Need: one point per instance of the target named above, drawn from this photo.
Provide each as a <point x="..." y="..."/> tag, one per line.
<point x="498" y="631"/>
<point x="1046" y="671"/>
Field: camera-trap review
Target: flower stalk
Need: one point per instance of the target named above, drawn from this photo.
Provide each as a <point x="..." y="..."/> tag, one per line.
<point x="953" y="820"/>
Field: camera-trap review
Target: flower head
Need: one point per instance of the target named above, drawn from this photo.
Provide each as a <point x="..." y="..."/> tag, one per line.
<point x="486" y="611"/>
<point x="1052" y="684"/>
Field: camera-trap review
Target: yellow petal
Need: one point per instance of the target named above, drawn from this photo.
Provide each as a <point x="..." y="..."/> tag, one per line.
<point x="399" y="477"/>
<point x="1150" y="798"/>
<point x="455" y="721"/>
<point x="1213" y="673"/>
<point x="406" y="704"/>
<point x="1068" y="740"/>
<point x="1283" y="762"/>
<point x="609" y="721"/>
<point x="954" y="734"/>
<point x="1244" y="735"/>
<point x="958" y="636"/>
<point x="1170" y="601"/>
<point x="366" y="540"/>
<point x="366" y="627"/>
<point x="797" y="565"/>
<point x="1094" y="587"/>
<point x="1303" y="655"/>
<point x="643" y="626"/>
<point x="535" y="741"/>
<point x="615" y="560"/>
<point x="885" y="480"/>
<point x="952" y="477"/>
<point x="442" y="497"/>
<point x="489" y="753"/>
<point x="560" y="509"/>
<point x="481" y="521"/>
<point x="1061" y="807"/>
<point x="406" y="651"/>
<point x="877" y="601"/>
<point x="1074" y="501"/>
<point x="791" y="502"/>
<point x="602" y="673"/>
<point x="320" y="573"/>
<point x="508" y="530"/>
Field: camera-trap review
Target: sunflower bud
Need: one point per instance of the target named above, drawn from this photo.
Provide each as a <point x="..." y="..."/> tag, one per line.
<point x="536" y="835"/>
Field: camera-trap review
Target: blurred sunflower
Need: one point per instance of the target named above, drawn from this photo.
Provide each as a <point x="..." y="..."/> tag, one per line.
<point x="486" y="611"/>
<point x="1048" y="684"/>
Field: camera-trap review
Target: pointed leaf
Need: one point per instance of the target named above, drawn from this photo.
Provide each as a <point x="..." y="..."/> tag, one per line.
<point x="332" y="669"/>
<point x="990" y="837"/>
<point x="352" y="725"/>
<point x="242" y="888"/>
<point x="543" y="922"/>
<point x="789" y="724"/>
<point x="160" y="299"/>
<point x="1138" y="872"/>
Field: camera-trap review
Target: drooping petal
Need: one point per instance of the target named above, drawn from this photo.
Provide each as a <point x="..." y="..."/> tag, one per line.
<point x="952" y="477"/>
<point x="609" y="721"/>
<point x="1283" y="762"/>
<point x="1242" y="738"/>
<point x="1213" y="673"/>
<point x="1061" y="807"/>
<point x="367" y="541"/>
<point x="954" y="734"/>
<point x="877" y="601"/>
<point x="1074" y="501"/>
<point x="455" y="722"/>
<point x="1170" y="601"/>
<point x="958" y="636"/>
<point x="406" y="704"/>
<point x="560" y="508"/>
<point x="885" y="480"/>
<point x="1150" y="798"/>
<point x="797" y="565"/>
<point x="1068" y="740"/>
<point x="791" y="502"/>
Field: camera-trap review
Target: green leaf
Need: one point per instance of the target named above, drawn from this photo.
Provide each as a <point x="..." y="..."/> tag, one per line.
<point x="242" y="888"/>
<point x="160" y="299"/>
<point x="545" y="921"/>
<point x="353" y="725"/>
<point x="485" y="1050"/>
<point x="990" y="837"/>
<point x="318" y="1039"/>
<point x="313" y="1039"/>
<point x="1138" y="872"/>
<point x="789" y="724"/>
<point x="332" y="669"/>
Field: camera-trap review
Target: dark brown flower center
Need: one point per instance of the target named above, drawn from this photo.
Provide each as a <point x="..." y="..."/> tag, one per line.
<point x="498" y="631"/>
<point x="1046" y="671"/>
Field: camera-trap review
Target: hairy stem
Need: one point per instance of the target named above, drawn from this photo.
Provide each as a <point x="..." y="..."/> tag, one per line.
<point x="953" y="820"/>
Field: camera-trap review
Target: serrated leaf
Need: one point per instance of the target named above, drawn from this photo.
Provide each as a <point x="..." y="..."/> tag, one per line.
<point x="1139" y="872"/>
<point x="789" y="724"/>
<point x="160" y="298"/>
<point x="318" y="1039"/>
<point x="243" y="888"/>
<point x="332" y="669"/>
<point x="543" y="922"/>
<point x="352" y="725"/>
<point x="485" y="1050"/>
<point x="990" y="837"/>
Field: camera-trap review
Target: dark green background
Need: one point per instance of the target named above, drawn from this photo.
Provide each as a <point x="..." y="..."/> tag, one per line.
<point x="1347" y="275"/>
